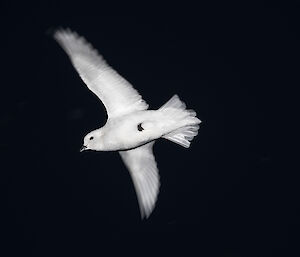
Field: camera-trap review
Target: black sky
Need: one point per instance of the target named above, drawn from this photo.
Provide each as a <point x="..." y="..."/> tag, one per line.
<point x="228" y="195"/>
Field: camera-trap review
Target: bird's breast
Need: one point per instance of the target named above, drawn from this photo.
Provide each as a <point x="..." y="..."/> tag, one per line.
<point x="130" y="131"/>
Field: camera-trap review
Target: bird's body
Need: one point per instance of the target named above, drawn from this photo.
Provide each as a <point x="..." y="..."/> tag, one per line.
<point x="131" y="128"/>
<point x="122" y="133"/>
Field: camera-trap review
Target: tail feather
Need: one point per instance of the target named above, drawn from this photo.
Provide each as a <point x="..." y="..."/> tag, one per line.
<point x="175" y="103"/>
<point x="186" y="118"/>
<point x="183" y="136"/>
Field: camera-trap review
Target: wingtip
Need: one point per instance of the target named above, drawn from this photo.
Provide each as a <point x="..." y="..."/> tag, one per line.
<point x="56" y="32"/>
<point x="145" y="214"/>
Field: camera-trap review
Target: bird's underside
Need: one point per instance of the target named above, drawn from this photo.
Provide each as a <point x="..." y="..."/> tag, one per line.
<point x="172" y="121"/>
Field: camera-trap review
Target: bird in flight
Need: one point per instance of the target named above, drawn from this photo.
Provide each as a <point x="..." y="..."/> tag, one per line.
<point x="131" y="129"/>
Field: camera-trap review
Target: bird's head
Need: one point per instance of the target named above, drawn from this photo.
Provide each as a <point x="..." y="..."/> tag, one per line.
<point x="92" y="141"/>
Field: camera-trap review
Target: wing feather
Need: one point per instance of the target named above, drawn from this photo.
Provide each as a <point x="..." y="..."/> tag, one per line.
<point x="144" y="173"/>
<point x="118" y="95"/>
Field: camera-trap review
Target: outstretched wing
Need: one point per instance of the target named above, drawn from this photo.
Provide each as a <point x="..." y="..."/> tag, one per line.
<point x="117" y="94"/>
<point x="144" y="173"/>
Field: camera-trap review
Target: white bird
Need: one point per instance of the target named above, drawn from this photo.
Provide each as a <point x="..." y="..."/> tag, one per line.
<point x="131" y="128"/>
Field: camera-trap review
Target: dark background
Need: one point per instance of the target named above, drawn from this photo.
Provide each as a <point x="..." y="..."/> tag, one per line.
<point x="233" y="193"/>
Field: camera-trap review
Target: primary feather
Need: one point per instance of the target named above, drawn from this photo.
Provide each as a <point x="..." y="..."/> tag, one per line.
<point x="117" y="94"/>
<point x="144" y="173"/>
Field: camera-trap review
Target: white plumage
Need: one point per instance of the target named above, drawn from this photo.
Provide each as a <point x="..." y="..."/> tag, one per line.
<point x="130" y="129"/>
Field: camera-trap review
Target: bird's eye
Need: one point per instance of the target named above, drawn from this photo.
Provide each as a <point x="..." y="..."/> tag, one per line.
<point x="91" y="138"/>
<point x="139" y="127"/>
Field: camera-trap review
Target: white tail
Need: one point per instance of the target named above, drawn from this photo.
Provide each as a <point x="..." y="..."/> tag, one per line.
<point x="186" y="120"/>
<point x="174" y="102"/>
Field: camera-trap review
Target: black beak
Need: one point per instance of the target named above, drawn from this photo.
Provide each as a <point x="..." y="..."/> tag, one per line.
<point x="83" y="148"/>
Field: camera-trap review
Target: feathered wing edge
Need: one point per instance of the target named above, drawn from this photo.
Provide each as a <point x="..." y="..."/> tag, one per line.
<point x="117" y="94"/>
<point x="144" y="172"/>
